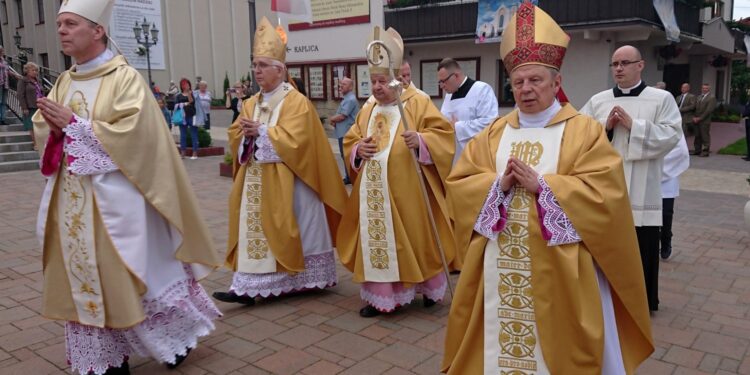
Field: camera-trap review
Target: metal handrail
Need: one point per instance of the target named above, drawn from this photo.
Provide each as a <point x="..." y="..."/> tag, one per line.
<point x="11" y="100"/>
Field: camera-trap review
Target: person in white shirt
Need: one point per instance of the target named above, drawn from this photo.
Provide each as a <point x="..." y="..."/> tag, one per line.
<point x="468" y="104"/>
<point x="676" y="162"/>
<point x="644" y="124"/>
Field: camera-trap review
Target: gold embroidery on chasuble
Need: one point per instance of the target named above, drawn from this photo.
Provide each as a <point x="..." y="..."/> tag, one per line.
<point x="512" y="345"/>
<point x="254" y="253"/>
<point x="377" y="238"/>
<point x="76" y="218"/>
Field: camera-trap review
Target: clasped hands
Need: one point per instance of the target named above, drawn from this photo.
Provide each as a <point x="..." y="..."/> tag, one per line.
<point x="518" y="173"/>
<point x="367" y="147"/>
<point x="57" y="116"/>
<point x="249" y="127"/>
<point x="618" y="116"/>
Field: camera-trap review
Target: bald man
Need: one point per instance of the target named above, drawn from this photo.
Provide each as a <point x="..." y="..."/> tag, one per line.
<point x="644" y="124"/>
<point x="344" y="117"/>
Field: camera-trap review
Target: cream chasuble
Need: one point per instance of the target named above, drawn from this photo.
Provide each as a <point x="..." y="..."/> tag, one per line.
<point x="76" y="213"/>
<point x="379" y="241"/>
<point x="257" y="256"/>
<point x="511" y="341"/>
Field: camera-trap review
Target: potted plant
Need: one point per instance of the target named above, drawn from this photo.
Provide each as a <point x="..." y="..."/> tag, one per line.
<point x="225" y="167"/>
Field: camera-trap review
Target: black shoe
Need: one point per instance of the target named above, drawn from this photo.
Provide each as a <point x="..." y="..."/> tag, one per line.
<point x="426" y="302"/>
<point x="178" y="359"/>
<point x="746" y="158"/>
<point x="347" y="182"/>
<point x="124" y="369"/>
<point x="666" y="252"/>
<point x="695" y="153"/>
<point x="368" y="311"/>
<point x="704" y="154"/>
<point x="233" y="298"/>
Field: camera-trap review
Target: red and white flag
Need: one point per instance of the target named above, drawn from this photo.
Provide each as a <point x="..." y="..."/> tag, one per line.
<point x="299" y="10"/>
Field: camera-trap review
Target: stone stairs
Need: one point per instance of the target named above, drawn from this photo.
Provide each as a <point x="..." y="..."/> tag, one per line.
<point x="16" y="149"/>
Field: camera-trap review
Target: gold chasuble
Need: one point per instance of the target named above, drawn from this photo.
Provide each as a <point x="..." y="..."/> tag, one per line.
<point x="396" y="243"/>
<point x="86" y="278"/>
<point x="298" y="138"/>
<point x="546" y="312"/>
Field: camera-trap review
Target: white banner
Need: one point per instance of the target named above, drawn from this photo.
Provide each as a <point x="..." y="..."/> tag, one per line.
<point x="665" y="10"/>
<point x="124" y="16"/>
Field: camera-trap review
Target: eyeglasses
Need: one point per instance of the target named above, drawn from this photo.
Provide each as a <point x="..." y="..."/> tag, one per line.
<point x="442" y="81"/>
<point x="623" y="63"/>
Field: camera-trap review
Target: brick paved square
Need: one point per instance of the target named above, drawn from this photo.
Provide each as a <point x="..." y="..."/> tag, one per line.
<point x="701" y="327"/>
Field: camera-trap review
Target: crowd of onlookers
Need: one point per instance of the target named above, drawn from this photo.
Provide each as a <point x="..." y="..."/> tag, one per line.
<point x="188" y="107"/>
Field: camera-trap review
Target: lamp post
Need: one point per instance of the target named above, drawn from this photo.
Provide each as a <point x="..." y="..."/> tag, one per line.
<point x="23" y="52"/>
<point x="147" y="30"/>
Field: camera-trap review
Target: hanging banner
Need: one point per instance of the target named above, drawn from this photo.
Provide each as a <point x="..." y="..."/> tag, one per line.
<point x="493" y="16"/>
<point x="330" y="13"/>
<point x="665" y="10"/>
<point x="124" y="16"/>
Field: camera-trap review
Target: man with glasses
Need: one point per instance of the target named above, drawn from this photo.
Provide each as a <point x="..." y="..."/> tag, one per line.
<point x="468" y="104"/>
<point x="643" y="124"/>
<point x="287" y="196"/>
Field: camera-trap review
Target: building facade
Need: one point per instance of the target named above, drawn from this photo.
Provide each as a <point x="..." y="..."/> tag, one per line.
<point x="206" y="38"/>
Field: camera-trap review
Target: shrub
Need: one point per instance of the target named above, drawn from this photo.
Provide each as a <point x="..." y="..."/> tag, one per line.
<point x="204" y="138"/>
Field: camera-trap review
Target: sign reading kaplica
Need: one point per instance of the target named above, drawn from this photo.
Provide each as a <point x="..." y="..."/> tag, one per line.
<point x="332" y="13"/>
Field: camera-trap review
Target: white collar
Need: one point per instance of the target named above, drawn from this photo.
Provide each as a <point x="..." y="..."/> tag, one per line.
<point x="267" y="95"/>
<point x="95" y="62"/>
<point x="541" y="119"/>
<point x="627" y="90"/>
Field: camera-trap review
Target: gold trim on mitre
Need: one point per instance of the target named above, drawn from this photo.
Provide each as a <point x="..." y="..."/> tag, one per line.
<point x="392" y="39"/>
<point x="269" y="42"/>
<point x="99" y="11"/>
<point x="533" y="37"/>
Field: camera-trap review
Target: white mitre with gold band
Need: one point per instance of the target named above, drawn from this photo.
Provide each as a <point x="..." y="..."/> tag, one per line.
<point x="392" y="40"/>
<point x="99" y="11"/>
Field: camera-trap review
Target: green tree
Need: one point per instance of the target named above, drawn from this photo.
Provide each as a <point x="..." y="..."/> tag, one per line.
<point x="226" y="84"/>
<point x="740" y="80"/>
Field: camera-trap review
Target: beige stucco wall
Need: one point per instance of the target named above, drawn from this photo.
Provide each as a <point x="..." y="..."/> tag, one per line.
<point x="208" y="38"/>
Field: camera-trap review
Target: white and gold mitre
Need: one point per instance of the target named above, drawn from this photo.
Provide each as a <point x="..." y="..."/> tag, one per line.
<point x="99" y="11"/>
<point x="392" y="39"/>
<point x="270" y="42"/>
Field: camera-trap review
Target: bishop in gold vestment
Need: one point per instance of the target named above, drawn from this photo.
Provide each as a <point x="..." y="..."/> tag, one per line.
<point x="287" y="196"/>
<point x="122" y="236"/>
<point x="385" y="237"/>
<point x="551" y="282"/>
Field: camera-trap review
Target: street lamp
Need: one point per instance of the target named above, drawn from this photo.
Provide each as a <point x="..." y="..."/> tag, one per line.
<point x="23" y="52"/>
<point x="146" y="30"/>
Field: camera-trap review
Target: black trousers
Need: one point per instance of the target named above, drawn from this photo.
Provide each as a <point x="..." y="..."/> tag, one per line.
<point x="667" y="211"/>
<point x="648" y="242"/>
<point x="747" y="136"/>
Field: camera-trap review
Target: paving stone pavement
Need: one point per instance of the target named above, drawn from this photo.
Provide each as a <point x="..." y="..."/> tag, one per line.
<point x="702" y="327"/>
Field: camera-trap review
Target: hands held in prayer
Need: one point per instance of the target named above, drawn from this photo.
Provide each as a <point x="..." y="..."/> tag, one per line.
<point x="366" y="149"/>
<point x="411" y="138"/>
<point x="56" y="115"/>
<point x="618" y="116"/>
<point x="249" y="127"/>
<point x="518" y="173"/>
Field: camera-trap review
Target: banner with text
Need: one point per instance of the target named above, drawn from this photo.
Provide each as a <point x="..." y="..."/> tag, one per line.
<point x="331" y="13"/>
<point x="492" y="18"/>
<point x="124" y="16"/>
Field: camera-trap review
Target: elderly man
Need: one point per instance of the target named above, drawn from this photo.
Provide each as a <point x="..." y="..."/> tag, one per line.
<point x="287" y="198"/>
<point x="405" y="78"/>
<point x="468" y="104"/>
<point x="686" y="104"/>
<point x="121" y="231"/>
<point x="645" y="124"/>
<point x="344" y="117"/>
<point x="385" y="236"/>
<point x="705" y="104"/>
<point x="545" y="288"/>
